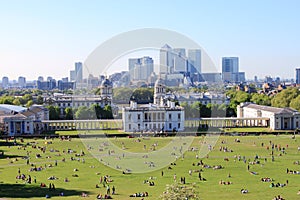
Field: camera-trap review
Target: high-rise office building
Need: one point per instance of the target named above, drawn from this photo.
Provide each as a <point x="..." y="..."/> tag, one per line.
<point x="40" y="78"/>
<point x="180" y="60"/>
<point x="5" y="82"/>
<point x="166" y="57"/>
<point x="140" y="68"/>
<point x="194" y="61"/>
<point x="22" y="82"/>
<point x="78" y="72"/>
<point x="230" y="69"/>
<point x="72" y="75"/>
<point x="298" y="76"/>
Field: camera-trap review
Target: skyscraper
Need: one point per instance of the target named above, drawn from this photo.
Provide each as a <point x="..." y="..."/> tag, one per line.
<point x="194" y="60"/>
<point x="166" y="58"/>
<point x="180" y="60"/>
<point x="297" y="75"/>
<point x="140" y="68"/>
<point x="72" y="75"/>
<point x="5" y="82"/>
<point x="22" y="82"/>
<point x="230" y="69"/>
<point x="78" y="72"/>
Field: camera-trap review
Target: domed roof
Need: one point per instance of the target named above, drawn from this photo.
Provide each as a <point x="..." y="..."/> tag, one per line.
<point x="106" y="83"/>
<point x="159" y="82"/>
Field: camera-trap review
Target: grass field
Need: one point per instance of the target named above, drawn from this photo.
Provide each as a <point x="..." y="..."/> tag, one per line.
<point x="110" y="151"/>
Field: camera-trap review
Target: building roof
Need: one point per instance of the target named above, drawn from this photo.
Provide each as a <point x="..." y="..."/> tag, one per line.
<point x="9" y="108"/>
<point x="269" y="108"/>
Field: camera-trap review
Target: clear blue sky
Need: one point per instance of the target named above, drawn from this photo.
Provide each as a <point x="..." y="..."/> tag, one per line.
<point x="46" y="37"/>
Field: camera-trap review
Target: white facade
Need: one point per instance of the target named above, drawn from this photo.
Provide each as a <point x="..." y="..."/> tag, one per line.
<point x="23" y="121"/>
<point x="280" y="118"/>
<point x="161" y="116"/>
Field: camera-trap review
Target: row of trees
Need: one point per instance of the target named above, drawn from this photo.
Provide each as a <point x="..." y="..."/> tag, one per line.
<point x="82" y="113"/>
<point x="289" y="97"/>
<point x="25" y="100"/>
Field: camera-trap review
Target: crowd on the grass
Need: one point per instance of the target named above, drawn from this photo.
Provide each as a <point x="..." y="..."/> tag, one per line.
<point x="273" y="149"/>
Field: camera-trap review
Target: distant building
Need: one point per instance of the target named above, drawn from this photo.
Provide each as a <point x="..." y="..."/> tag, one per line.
<point x="163" y="115"/>
<point x="280" y="118"/>
<point x="72" y="75"/>
<point x="65" y="85"/>
<point x="230" y="70"/>
<point x="140" y="68"/>
<point x="166" y="60"/>
<point x="78" y="72"/>
<point x="194" y="60"/>
<point x="40" y="78"/>
<point x="22" y="82"/>
<point x="179" y="60"/>
<point x="298" y="76"/>
<point x="64" y="101"/>
<point x="5" y="82"/>
<point x="212" y="77"/>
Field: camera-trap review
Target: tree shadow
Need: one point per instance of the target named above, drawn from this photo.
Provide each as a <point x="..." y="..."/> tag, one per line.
<point x="5" y="156"/>
<point x="30" y="191"/>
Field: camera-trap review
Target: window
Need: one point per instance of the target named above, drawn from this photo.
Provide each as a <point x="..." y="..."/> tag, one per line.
<point x="129" y="126"/>
<point x="170" y="116"/>
<point x="179" y="116"/>
<point x="129" y="117"/>
<point x="146" y="116"/>
<point x="178" y="125"/>
<point x="139" y="116"/>
<point x="163" y="116"/>
<point x="297" y="124"/>
<point x="170" y="126"/>
<point x="158" y="116"/>
<point x="139" y="126"/>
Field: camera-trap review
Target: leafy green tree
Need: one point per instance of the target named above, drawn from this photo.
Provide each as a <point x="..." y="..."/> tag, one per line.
<point x="54" y="112"/>
<point x="84" y="112"/>
<point x="29" y="103"/>
<point x="69" y="114"/>
<point x="260" y="99"/>
<point x="17" y="101"/>
<point x="295" y="103"/>
<point x="143" y="95"/>
<point x="284" y="98"/>
<point x="39" y="100"/>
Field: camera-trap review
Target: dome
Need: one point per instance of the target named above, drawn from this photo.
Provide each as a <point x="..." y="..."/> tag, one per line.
<point x="106" y="83"/>
<point x="159" y="82"/>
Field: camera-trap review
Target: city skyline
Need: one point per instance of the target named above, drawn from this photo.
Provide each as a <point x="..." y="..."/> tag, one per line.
<point x="46" y="38"/>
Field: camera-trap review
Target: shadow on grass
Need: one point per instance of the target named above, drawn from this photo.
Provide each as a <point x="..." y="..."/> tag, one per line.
<point x="30" y="191"/>
<point x="5" y="156"/>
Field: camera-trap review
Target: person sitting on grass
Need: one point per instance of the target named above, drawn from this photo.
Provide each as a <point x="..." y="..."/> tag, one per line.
<point x="244" y="191"/>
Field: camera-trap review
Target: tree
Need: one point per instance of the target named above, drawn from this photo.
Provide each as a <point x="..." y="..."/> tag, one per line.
<point x="260" y="99"/>
<point x="84" y="112"/>
<point x="121" y="94"/>
<point x="17" y="102"/>
<point x="39" y="100"/>
<point x="143" y="95"/>
<point x="53" y="112"/>
<point x="29" y="103"/>
<point x="69" y="114"/>
<point x="295" y="103"/>
<point x="284" y="98"/>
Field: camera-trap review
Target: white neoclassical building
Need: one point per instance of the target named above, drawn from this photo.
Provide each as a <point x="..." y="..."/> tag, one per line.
<point x="162" y="115"/>
<point x="18" y="120"/>
<point x="280" y="118"/>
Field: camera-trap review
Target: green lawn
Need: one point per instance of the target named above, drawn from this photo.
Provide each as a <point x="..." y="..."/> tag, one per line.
<point x="110" y="151"/>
